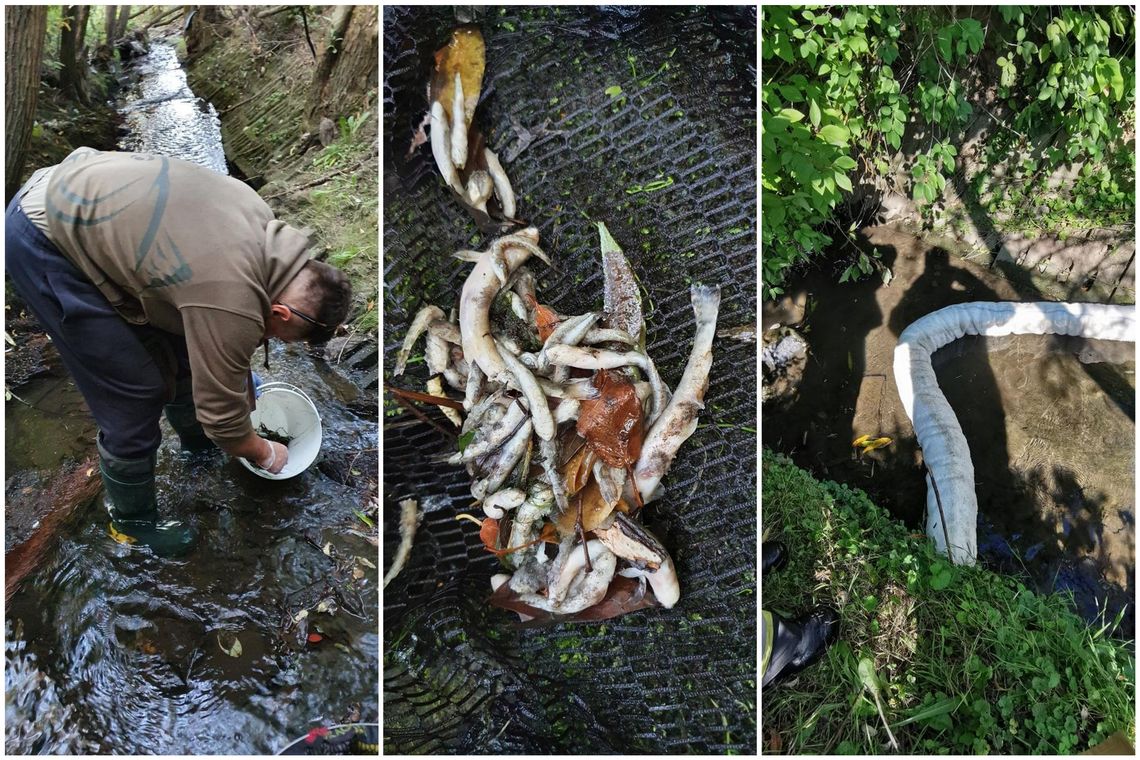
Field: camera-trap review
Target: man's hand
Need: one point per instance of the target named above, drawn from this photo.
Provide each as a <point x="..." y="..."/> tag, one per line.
<point x="269" y="456"/>
<point x="275" y="460"/>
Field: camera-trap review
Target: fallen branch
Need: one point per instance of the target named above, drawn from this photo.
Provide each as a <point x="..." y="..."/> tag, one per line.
<point x="176" y="10"/>
<point x="67" y="492"/>
<point x="425" y="398"/>
<point x="318" y="181"/>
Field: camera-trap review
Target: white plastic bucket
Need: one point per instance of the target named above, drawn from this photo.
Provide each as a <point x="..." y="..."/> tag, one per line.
<point x="285" y="410"/>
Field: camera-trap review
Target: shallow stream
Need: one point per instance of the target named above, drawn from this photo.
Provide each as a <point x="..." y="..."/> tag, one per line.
<point x="207" y="653"/>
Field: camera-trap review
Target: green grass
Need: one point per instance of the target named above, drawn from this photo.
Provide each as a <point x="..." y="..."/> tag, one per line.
<point x="966" y="661"/>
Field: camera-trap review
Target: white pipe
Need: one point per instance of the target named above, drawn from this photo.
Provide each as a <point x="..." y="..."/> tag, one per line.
<point x="944" y="448"/>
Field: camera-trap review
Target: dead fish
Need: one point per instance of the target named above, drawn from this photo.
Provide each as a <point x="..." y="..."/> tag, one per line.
<point x="622" y="293"/>
<point x="679" y="419"/>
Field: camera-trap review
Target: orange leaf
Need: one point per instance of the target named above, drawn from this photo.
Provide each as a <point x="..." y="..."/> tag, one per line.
<point x="612" y="423"/>
<point x="489" y="533"/>
<point x="546" y="319"/>
<point x="315" y="638"/>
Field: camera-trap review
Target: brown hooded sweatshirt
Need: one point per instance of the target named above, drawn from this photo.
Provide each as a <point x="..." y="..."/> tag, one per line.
<point x="184" y="249"/>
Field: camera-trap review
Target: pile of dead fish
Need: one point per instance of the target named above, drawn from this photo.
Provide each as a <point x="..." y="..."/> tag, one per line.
<point x="567" y="429"/>
<point x="565" y="426"/>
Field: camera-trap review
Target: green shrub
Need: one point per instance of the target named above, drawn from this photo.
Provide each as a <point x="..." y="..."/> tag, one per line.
<point x="967" y="661"/>
<point x="842" y="84"/>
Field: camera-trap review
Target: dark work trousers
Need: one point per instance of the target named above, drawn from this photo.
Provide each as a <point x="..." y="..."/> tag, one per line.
<point x="126" y="372"/>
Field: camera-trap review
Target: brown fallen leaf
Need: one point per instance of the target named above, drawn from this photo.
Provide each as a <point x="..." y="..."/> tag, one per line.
<point x="612" y="423"/>
<point x="594" y="510"/>
<point x="546" y="319"/>
<point x="578" y="470"/>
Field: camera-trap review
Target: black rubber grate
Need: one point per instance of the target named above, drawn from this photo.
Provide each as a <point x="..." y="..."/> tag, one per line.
<point x="459" y="676"/>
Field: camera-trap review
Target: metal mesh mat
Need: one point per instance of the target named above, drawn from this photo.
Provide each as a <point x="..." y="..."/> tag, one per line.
<point x="460" y="677"/>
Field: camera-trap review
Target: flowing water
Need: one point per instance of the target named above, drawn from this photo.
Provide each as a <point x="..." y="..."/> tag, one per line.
<point x="206" y="653"/>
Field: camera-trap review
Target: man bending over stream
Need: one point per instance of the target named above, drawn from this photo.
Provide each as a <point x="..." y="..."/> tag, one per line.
<point x="157" y="280"/>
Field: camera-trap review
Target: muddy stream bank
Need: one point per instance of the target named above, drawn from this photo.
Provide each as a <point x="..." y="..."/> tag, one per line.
<point x="112" y="650"/>
<point x="1050" y="420"/>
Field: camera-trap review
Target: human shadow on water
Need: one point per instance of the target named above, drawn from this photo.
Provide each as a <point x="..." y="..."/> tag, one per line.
<point x="813" y="425"/>
<point x="1082" y="544"/>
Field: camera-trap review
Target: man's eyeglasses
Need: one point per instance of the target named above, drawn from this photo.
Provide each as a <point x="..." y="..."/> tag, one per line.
<point x="305" y="316"/>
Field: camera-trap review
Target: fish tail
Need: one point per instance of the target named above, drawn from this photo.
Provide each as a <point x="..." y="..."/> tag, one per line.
<point x="706" y="302"/>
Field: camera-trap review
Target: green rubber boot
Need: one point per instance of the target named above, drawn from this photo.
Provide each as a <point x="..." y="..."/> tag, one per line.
<point x="130" y="499"/>
<point x="183" y="417"/>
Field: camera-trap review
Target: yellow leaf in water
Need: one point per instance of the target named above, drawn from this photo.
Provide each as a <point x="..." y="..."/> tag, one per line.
<point x="861" y="440"/>
<point x="364" y="561"/>
<point x="357" y="573"/>
<point x="300" y="616"/>
<point x="878" y="443"/>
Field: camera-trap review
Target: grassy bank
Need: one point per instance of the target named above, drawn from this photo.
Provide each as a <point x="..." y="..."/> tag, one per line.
<point x="962" y="660"/>
<point x="257" y="73"/>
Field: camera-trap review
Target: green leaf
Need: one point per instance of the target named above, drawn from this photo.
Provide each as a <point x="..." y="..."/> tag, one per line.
<point x="835" y="134"/>
<point x="868" y="676"/>
<point x="465" y="439"/>
<point x="940" y="707"/>
<point x="791" y="114"/>
<point x="613" y="91"/>
<point x="813" y="114"/>
<point x="972" y="33"/>
<point x="1108" y="71"/>
<point x="844" y="163"/>
<point x="941" y="579"/>
<point x="945" y="41"/>
<point x="842" y="181"/>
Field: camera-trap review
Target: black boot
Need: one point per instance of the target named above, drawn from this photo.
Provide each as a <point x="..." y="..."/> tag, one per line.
<point x="800" y="642"/>
<point x="130" y="499"/>
<point x="773" y="556"/>
<point x="183" y="417"/>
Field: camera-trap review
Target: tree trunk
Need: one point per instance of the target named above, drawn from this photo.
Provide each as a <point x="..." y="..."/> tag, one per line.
<point x="121" y="22"/>
<point x="72" y="73"/>
<point x="23" y="54"/>
<point x="81" y="30"/>
<point x="356" y="68"/>
<point x="115" y="22"/>
<point x="200" y="33"/>
<point x="329" y="56"/>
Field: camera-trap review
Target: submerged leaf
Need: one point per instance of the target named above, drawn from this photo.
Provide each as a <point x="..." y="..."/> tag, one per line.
<point x="229" y="643"/>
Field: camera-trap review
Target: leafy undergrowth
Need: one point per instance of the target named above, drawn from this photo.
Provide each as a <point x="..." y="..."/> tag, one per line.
<point x="965" y="661"/>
